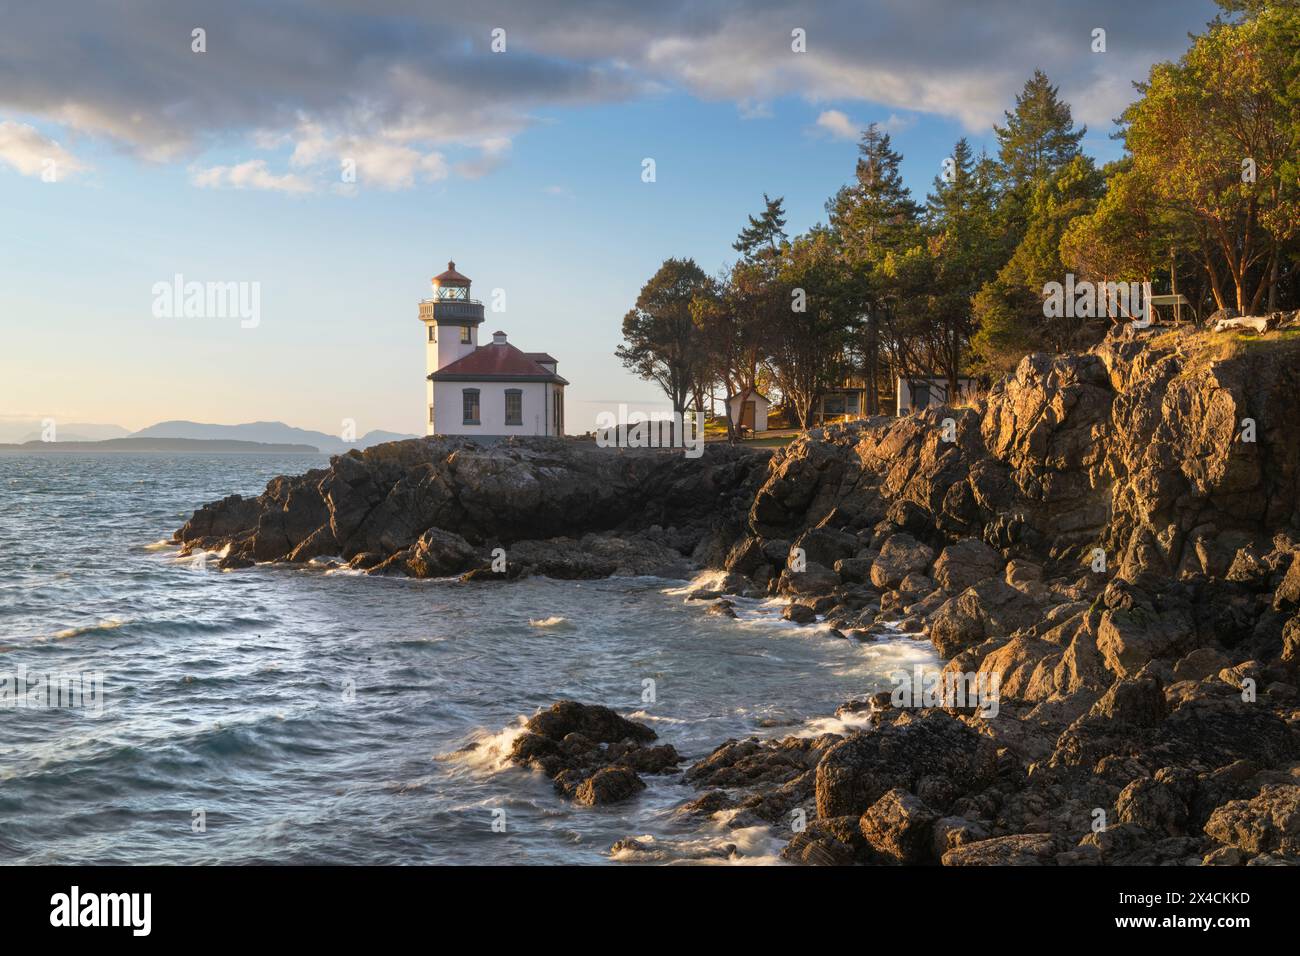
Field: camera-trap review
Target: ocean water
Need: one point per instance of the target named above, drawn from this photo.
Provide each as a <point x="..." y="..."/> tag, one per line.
<point x="279" y="715"/>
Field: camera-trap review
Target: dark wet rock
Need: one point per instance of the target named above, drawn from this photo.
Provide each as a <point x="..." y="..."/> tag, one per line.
<point x="750" y="763"/>
<point x="607" y="785"/>
<point x="825" y="546"/>
<point x="899" y="828"/>
<point x="812" y="581"/>
<point x="855" y="570"/>
<point x="706" y="804"/>
<point x="799" y="613"/>
<point x="592" y="754"/>
<point x="833" y="842"/>
<point x="722" y="608"/>
<point x="928" y="753"/>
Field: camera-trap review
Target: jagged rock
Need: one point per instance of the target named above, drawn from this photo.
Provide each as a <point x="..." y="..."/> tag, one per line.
<point x="964" y="564"/>
<point x="608" y="785"/>
<point x="990" y="608"/>
<point x="898" y="827"/>
<point x="1160" y="803"/>
<point x="825" y="546"/>
<point x="439" y="553"/>
<point x="382" y="500"/>
<point x="1270" y="822"/>
<point x="1199" y="664"/>
<point x="813" y="580"/>
<point x="1025" y="849"/>
<point x="1291" y="641"/>
<point x="951" y="832"/>
<point x="834" y="842"/>
<point x="1287" y="595"/>
<point x="900" y="555"/>
<point x="591" y="753"/>
<point x="928" y="753"/>
<point x="856" y="570"/>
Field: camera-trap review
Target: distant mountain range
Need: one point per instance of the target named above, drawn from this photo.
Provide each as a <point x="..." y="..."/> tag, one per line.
<point x="273" y="433"/>
<point x="173" y="446"/>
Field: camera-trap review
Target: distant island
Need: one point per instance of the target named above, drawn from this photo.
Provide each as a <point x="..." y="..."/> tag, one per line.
<point x="289" y="440"/>
<point x="152" y="445"/>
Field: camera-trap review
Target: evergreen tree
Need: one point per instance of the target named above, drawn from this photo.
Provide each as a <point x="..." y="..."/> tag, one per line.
<point x="964" y="254"/>
<point x="765" y="232"/>
<point x="1039" y="137"/>
<point x="875" y="220"/>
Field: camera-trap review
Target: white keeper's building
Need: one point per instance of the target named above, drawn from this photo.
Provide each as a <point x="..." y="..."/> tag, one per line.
<point x="492" y="389"/>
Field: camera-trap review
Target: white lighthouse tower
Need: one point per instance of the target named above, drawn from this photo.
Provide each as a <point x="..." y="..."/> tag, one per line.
<point x="452" y="319"/>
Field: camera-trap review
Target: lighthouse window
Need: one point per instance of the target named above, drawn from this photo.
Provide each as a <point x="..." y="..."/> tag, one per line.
<point x="464" y="334"/>
<point x="471" y="406"/>
<point x="431" y="335"/>
<point x="514" y="406"/>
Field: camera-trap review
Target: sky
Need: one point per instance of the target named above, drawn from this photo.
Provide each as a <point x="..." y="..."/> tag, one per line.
<point x="128" y="157"/>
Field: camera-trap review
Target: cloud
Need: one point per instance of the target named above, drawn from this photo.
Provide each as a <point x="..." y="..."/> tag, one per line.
<point x="414" y="92"/>
<point x="492" y="156"/>
<point x="32" y="153"/>
<point x="838" y="125"/>
<point x="248" y="175"/>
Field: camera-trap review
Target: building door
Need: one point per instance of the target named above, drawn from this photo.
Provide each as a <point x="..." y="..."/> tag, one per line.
<point x="920" y="396"/>
<point x="747" y="414"/>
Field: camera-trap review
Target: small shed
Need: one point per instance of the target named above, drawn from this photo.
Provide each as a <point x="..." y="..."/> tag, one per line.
<point x="915" y="394"/>
<point x="749" y="410"/>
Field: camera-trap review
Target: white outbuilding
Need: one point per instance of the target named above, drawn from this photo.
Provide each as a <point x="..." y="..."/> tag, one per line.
<point x="748" y="409"/>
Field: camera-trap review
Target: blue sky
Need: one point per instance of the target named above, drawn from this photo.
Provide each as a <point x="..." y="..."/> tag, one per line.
<point x="532" y="188"/>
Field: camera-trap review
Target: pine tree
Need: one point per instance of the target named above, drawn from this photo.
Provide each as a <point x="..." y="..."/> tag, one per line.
<point x="964" y="254"/>
<point x="875" y="213"/>
<point x="765" y="233"/>
<point x="1039" y="138"/>
<point x="876" y="221"/>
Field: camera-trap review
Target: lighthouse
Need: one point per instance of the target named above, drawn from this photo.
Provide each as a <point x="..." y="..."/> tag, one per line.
<point x="490" y="390"/>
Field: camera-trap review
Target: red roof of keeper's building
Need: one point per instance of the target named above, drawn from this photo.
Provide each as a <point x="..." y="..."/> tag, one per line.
<point x="496" y="361"/>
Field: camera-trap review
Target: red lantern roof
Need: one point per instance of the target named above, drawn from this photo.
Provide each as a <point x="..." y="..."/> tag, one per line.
<point x="451" y="277"/>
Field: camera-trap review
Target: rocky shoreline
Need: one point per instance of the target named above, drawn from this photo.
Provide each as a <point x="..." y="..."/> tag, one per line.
<point x="1111" y="539"/>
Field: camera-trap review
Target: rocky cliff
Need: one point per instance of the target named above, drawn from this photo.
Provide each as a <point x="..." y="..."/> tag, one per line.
<point x="441" y="506"/>
<point x="1111" y="539"/>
